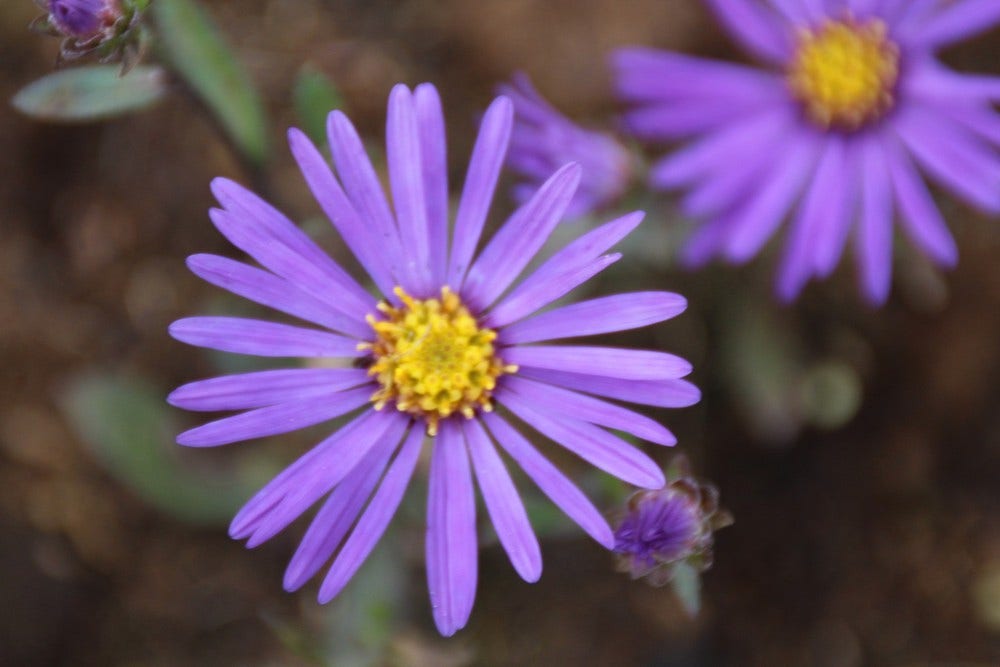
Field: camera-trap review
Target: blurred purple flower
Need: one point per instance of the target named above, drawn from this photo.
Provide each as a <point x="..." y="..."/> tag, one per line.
<point x="436" y="359"/>
<point x="82" y="18"/>
<point x="852" y="101"/>
<point x="667" y="526"/>
<point x="544" y="140"/>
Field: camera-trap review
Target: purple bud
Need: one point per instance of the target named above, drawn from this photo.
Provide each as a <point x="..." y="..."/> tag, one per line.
<point x="667" y="526"/>
<point x="82" y="18"/>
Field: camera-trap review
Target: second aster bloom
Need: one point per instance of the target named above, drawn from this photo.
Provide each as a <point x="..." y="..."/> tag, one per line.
<point x="851" y="104"/>
<point x="544" y="139"/>
<point x="452" y="335"/>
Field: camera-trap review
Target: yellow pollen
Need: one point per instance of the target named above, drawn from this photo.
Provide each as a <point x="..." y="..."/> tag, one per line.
<point x="432" y="359"/>
<point x="844" y="73"/>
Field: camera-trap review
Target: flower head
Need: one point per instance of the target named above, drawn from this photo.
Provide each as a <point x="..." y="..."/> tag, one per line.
<point x="851" y="102"/>
<point x="447" y="341"/>
<point x="110" y="29"/>
<point x="82" y="18"/>
<point x="668" y="526"/>
<point x="544" y="140"/>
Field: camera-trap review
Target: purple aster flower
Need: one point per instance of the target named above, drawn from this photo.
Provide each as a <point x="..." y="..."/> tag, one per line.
<point x="82" y="18"/>
<point x="544" y="140"/>
<point x="668" y="526"/>
<point x="851" y="104"/>
<point x="447" y="340"/>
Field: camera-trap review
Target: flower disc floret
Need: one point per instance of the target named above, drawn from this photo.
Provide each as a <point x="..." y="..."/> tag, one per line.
<point x="432" y="359"/>
<point x="844" y="72"/>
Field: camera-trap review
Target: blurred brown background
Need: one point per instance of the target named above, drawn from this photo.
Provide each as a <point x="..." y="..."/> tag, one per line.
<point x="867" y="530"/>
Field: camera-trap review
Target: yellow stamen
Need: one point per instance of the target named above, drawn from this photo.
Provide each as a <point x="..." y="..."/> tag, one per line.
<point x="432" y="359"/>
<point x="844" y="72"/>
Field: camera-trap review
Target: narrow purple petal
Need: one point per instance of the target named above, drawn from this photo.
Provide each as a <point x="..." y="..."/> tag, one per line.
<point x="269" y="290"/>
<point x="336" y="517"/>
<point x="336" y="464"/>
<point x="874" y="236"/>
<point x="264" y="233"/>
<point x="952" y="156"/>
<point x="723" y="190"/>
<point x="918" y="212"/>
<point x="275" y="419"/>
<point x="433" y="149"/>
<point x="480" y="183"/>
<point x="402" y="144"/>
<point x="674" y="393"/>
<point x="262" y="388"/>
<point x="363" y="188"/>
<point x="551" y="481"/>
<point x="833" y="229"/>
<point x="596" y="316"/>
<point x="613" y="362"/>
<point x="756" y="27"/>
<point x="719" y="150"/>
<point x="591" y="443"/>
<point x="682" y="119"/>
<point x="566" y="269"/>
<point x="706" y="241"/>
<point x="959" y="21"/>
<point x="503" y="504"/>
<point x="520" y="239"/>
<point x="366" y="245"/>
<point x="374" y="521"/>
<point x="451" y="531"/>
<point x="292" y="477"/>
<point x="979" y="119"/>
<point x="928" y="79"/>
<point x="555" y="400"/>
<point x="754" y="224"/>
<point x="261" y="338"/>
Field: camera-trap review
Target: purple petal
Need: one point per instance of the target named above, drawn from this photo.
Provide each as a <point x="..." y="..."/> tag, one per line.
<point x="591" y="443"/>
<point x="263" y="388"/>
<point x="364" y="190"/>
<point x="959" y="21"/>
<point x="608" y="361"/>
<point x="336" y="517"/>
<point x="368" y="247"/>
<point x="503" y="504"/>
<point x="875" y="227"/>
<point x="674" y="393"/>
<point x="979" y="119"/>
<point x="763" y="213"/>
<point x="480" y="183"/>
<point x="433" y="149"/>
<point x="721" y="149"/>
<point x="264" y="233"/>
<point x="596" y="316"/>
<point x="566" y="269"/>
<point x="918" y="212"/>
<point x="402" y="142"/>
<point x="261" y="338"/>
<point x="520" y="239"/>
<point x="327" y="472"/>
<point x="756" y="27"/>
<point x="376" y="518"/>
<point x="269" y="290"/>
<point x="292" y="477"/>
<point x="682" y="119"/>
<point x="928" y="79"/>
<point x="823" y="201"/>
<point x="833" y="228"/>
<point x="551" y="481"/>
<point x="451" y="531"/>
<point x="275" y="419"/>
<point x="555" y="401"/>
<point x="952" y="156"/>
<point x="723" y="190"/>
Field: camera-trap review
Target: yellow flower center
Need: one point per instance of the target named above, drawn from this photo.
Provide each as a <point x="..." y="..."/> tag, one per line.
<point x="844" y="72"/>
<point x="432" y="359"/>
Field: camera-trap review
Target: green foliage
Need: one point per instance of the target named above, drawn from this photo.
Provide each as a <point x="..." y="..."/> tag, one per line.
<point x="130" y="430"/>
<point x="194" y="47"/>
<point x="314" y="97"/>
<point x="91" y="93"/>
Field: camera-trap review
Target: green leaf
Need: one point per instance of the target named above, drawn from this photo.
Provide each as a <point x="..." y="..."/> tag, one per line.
<point x="130" y="429"/>
<point x="314" y="97"/>
<point x="194" y="47"/>
<point x="91" y="93"/>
